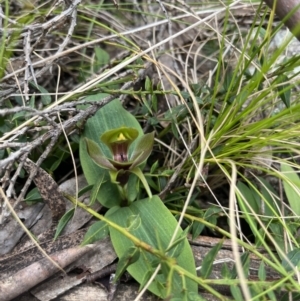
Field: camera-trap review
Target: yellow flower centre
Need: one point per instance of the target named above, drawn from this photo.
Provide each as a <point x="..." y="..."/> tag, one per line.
<point x="121" y="137"/>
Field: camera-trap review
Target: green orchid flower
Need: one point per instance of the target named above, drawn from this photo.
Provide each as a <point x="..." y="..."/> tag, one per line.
<point x="122" y="162"/>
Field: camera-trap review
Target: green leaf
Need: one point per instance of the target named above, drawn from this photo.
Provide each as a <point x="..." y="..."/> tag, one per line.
<point x="154" y="102"/>
<point x="226" y="272"/>
<point x="147" y="276"/>
<point x="32" y="101"/>
<point x="33" y="196"/>
<point x="133" y="222"/>
<point x="207" y="263"/>
<point x="137" y="171"/>
<point x="251" y="196"/>
<point x="284" y="89"/>
<point x="128" y="258"/>
<point x="252" y="201"/>
<point x="177" y="248"/>
<point x="102" y="58"/>
<point x="270" y="203"/>
<point x="236" y="293"/>
<point x="255" y="290"/>
<point x="95" y="190"/>
<point x="97" y="231"/>
<point x="288" y="296"/>
<point x="293" y="260"/>
<point x="57" y="162"/>
<point x="211" y="214"/>
<point x="46" y="98"/>
<point x="63" y="222"/>
<point x="155" y="218"/>
<point x="192" y="296"/>
<point x="111" y="116"/>
<point x="108" y="189"/>
<point x="273" y="296"/>
<point x="178" y="243"/>
<point x="19" y="116"/>
<point x="84" y="190"/>
<point x="278" y="235"/>
<point x="154" y="167"/>
<point x="174" y="131"/>
<point x="262" y="274"/>
<point x="132" y="188"/>
<point x="291" y="184"/>
<point x="197" y="228"/>
<point x="148" y="85"/>
<point x="245" y="259"/>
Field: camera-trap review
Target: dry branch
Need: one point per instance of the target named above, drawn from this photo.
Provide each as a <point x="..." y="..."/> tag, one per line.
<point x="30" y="276"/>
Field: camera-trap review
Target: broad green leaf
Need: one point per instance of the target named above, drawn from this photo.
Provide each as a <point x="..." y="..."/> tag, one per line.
<point x="292" y="192"/>
<point x="63" y="222"/>
<point x="97" y="231"/>
<point x="155" y="218"/>
<point x="109" y="117"/>
<point x="133" y="222"/>
<point x="293" y="260"/>
<point x="207" y="263"/>
<point x="128" y="258"/>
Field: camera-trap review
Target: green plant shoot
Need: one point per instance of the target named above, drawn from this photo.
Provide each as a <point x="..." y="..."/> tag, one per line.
<point x="114" y="148"/>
